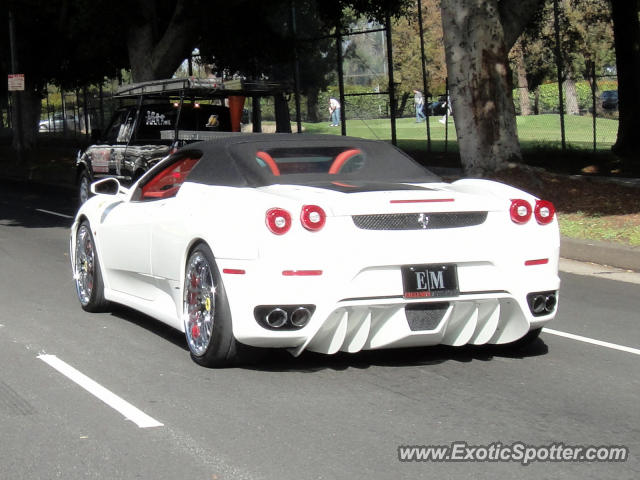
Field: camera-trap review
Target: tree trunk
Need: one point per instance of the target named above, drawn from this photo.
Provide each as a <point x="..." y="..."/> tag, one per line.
<point x="626" y="31"/>
<point x="571" y="96"/>
<point x="25" y="121"/>
<point x="523" y="84"/>
<point x="479" y="81"/>
<point x="283" y="120"/>
<point x="403" y="105"/>
<point x="312" y="106"/>
<point x="155" y="55"/>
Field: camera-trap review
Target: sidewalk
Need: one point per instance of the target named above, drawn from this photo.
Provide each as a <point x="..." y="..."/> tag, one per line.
<point x="602" y="253"/>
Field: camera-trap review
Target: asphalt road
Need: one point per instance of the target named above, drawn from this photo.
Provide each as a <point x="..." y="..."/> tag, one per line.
<point x="314" y="417"/>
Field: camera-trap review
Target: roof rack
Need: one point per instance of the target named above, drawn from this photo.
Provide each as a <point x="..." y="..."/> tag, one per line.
<point x="205" y="87"/>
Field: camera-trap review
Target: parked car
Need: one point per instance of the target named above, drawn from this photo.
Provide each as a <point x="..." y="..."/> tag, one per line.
<point x="157" y="117"/>
<point x="57" y="123"/>
<point x="317" y="242"/>
<point x="438" y="107"/>
<point x="609" y="99"/>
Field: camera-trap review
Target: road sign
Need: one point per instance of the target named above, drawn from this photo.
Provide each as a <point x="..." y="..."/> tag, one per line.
<point x="16" y="82"/>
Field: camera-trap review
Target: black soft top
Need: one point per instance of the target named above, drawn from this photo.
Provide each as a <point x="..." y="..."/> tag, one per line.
<point x="234" y="159"/>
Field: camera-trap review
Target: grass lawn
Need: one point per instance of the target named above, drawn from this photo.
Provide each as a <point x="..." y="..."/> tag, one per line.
<point x="534" y="131"/>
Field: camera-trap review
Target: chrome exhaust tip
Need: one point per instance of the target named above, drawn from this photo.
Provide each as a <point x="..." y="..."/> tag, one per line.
<point x="538" y="304"/>
<point x="300" y="317"/>
<point x="276" y="318"/>
<point x="550" y="303"/>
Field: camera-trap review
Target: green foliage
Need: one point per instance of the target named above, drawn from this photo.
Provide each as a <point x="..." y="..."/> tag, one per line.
<point x="548" y="100"/>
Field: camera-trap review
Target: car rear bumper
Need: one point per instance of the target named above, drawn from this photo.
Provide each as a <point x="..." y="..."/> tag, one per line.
<point x="366" y="309"/>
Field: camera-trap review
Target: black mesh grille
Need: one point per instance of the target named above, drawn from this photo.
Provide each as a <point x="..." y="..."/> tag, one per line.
<point x="425" y="316"/>
<point x="419" y="221"/>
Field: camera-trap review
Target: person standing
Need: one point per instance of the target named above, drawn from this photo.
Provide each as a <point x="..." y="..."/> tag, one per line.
<point x="418" y="102"/>
<point x="334" y="112"/>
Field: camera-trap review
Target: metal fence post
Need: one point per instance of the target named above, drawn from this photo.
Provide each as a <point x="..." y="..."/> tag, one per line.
<point x="392" y="87"/>
<point x="559" y="67"/>
<point x="343" y="113"/>
<point x="591" y="66"/>
<point x="424" y="73"/>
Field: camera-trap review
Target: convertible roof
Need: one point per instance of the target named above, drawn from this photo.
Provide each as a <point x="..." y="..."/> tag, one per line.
<point x="230" y="160"/>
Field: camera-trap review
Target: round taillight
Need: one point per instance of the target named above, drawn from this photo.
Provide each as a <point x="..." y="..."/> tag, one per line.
<point x="544" y="212"/>
<point x="313" y="217"/>
<point x="520" y="211"/>
<point x="278" y="221"/>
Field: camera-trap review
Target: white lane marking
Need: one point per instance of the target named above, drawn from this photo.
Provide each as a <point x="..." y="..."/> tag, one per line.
<point x="614" y="346"/>
<point x="54" y="213"/>
<point x="125" y="408"/>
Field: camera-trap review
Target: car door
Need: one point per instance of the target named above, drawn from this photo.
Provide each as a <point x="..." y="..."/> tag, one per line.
<point x="124" y="235"/>
<point x="139" y="237"/>
<point x="167" y="217"/>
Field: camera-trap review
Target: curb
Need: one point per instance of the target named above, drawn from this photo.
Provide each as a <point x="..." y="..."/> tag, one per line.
<point x="602" y="253"/>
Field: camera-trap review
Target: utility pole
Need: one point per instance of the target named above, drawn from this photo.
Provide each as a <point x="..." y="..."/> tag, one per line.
<point x="17" y="104"/>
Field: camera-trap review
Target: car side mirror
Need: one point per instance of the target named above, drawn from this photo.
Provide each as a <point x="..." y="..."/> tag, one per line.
<point x="107" y="186"/>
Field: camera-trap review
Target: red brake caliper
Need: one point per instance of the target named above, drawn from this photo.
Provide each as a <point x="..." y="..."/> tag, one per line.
<point x="193" y="301"/>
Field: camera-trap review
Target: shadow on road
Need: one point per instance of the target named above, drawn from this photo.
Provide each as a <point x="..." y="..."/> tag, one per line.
<point x="310" y="362"/>
<point x="28" y="205"/>
<point x="150" y="324"/>
<point x="278" y="360"/>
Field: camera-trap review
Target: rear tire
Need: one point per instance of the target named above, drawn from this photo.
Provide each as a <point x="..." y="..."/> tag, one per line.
<point x="87" y="272"/>
<point x="206" y="313"/>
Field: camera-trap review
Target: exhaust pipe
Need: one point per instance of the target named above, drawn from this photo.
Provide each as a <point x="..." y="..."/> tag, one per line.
<point x="550" y="303"/>
<point x="283" y="317"/>
<point x="300" y="317"/>
<point x="276" y="318"/>
<point x="542" y="303"/>
<point x="538" y="304"/>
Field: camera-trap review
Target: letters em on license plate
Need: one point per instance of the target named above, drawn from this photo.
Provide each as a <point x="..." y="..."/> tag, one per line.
<point x="427" y="281"/>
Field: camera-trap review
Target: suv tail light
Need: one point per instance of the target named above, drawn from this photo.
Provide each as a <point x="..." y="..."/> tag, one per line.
<point x="313" y="217"/>
<point x="544" y="212"/>
<point x="278" y="221"/>
<point x="520" y="211"/>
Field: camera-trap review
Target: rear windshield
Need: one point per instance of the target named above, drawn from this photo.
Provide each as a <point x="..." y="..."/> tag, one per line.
<point x="328" y="160"/>
<point x="310" y="161"/>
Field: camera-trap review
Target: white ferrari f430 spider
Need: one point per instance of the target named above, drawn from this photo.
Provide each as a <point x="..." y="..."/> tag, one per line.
<point x="322" y="243"/>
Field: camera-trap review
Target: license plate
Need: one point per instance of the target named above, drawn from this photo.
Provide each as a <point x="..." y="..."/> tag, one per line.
<point x="427" y="281"/>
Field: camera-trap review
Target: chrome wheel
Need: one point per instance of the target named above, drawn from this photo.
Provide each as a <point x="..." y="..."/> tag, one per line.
<point x="199" y="303"/>
<point x="85" y="265"/>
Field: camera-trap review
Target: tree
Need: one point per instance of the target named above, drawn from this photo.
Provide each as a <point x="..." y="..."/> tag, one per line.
<point x="406" y="50"/>
<point x="586" y="35"/>
<point x="478" y="35"/>
<point x="626" y="29"/>
<point x="51" y="46"/>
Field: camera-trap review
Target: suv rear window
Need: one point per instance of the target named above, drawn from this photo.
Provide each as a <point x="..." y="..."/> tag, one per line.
<point x="154" y="118"/>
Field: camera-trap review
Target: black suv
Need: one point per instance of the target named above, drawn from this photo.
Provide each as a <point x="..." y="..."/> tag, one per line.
<point x="157" y="117"/>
